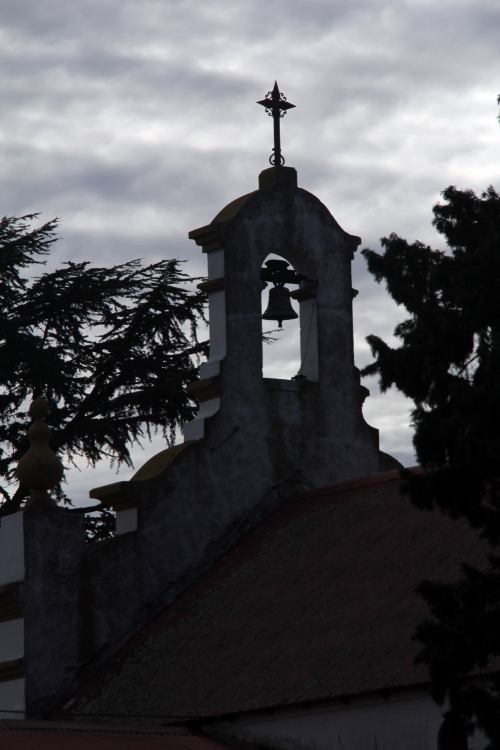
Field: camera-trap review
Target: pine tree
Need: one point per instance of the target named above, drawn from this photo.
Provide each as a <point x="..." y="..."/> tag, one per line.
<point x="110" y="349"/>
<point x="448" y="363"/>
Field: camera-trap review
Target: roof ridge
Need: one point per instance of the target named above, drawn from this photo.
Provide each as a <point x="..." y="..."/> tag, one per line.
<point x="353" y="484"/>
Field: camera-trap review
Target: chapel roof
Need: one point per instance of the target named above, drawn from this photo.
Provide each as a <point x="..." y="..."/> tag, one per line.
<point x="45" y="735"/>
<point x="318" y="602"/>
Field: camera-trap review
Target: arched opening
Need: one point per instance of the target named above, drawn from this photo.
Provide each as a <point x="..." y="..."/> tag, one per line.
<point x="290" y="343"/>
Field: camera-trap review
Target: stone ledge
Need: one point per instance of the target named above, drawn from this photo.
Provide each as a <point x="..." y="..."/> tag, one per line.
<point x="303" y="293"/>
<point x="212" y="285"/>
<point x="203" y="390"/>
<point x="117" y="494"/>
<point x="114" y="495"/>
<point x="294" y="386"/>
<point x="206" y="238"/>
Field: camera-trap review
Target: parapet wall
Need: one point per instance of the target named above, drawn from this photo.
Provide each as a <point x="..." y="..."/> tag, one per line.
<point x="254" y="443"/>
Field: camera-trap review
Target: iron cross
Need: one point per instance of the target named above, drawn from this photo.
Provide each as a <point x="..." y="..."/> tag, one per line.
<point x="276" y="106"/>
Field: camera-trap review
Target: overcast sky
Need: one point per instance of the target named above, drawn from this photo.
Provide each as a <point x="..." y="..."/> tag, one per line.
<point x="135" y="122"/>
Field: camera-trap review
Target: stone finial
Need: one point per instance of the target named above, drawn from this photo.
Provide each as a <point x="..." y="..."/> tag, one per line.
<point x="39" y="469"/>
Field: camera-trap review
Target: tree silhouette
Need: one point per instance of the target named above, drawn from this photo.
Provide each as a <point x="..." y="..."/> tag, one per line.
<point x="448" y="363"/>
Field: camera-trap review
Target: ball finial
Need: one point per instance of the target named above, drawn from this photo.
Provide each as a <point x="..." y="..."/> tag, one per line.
<point x="38" y="408"/>
<point x="39" y="469"/>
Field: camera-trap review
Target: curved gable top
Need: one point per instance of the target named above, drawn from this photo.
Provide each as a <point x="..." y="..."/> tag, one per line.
<point x="270" y="179"/>
<point x="229" y="211"/>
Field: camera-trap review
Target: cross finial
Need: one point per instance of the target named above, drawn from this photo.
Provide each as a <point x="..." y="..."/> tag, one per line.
<point x="276" y="106"/>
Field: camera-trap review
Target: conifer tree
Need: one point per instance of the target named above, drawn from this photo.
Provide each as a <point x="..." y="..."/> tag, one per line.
<point x="110" y="349"/>
<point x="448" y="363"/>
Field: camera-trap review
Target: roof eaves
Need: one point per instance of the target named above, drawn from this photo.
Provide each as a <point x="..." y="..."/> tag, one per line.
<point x="74" y="726"/>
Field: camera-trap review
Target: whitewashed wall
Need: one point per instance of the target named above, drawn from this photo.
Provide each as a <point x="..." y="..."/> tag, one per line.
<point x="409" y="720"/>
<point x="12" y="698"/>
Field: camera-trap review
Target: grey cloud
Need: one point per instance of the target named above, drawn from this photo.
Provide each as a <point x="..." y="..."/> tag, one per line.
<point x="136" y="121"/>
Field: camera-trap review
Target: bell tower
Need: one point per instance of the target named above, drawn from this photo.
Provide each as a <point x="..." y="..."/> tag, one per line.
<point x="255" y="442"/>
<point x="310" y="426"/>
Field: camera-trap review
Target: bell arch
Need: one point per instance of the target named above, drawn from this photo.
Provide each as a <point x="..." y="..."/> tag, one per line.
<point x="289" y="294"/>
<point x="280" y="423"/>
<point x="280" y="348"/>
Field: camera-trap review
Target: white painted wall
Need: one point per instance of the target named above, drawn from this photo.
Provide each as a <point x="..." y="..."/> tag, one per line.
<point x="215" y="263"/>
<point x="309" y="339"/>
<point x="407" y="722"/>
<point x="12" y="704"/>
<point x="216" y="314"/>
<point x="217" y="322"/>
<point x="12" y="639"/>
<point x="11" y="548"/>
<point x="126" y="520"/>
<point x="195" y="430"/>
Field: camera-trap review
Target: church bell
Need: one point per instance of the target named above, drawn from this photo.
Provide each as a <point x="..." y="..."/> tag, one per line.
<point x="279" y="306"/>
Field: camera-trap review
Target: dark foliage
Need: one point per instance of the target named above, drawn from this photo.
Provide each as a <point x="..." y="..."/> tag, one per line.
<point x="99" y="525"/>
<point x="110" y="349"/>
<point x="448" y="363"/>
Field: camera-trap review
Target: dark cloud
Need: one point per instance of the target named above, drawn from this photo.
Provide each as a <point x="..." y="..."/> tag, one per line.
<point x="135" y="121"/>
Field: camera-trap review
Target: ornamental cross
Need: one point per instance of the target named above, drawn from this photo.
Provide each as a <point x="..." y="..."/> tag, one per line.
<point x="276" y="106"/>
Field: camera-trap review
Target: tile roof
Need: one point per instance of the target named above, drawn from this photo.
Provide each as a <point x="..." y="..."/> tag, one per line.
<point x="40" y="735"/>
<point x="318" y="602"/>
